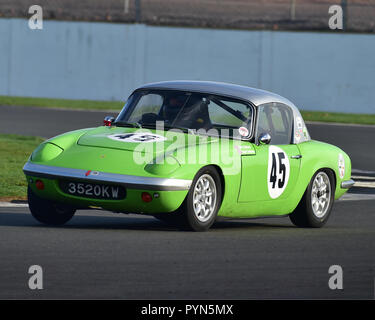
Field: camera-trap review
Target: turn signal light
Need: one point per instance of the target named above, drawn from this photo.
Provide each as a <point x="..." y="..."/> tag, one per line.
<point x="39" y="184"/>
<point x="146" y="197"/>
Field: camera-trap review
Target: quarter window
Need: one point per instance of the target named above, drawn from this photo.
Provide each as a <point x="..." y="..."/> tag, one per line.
<point x="277" y="120"/>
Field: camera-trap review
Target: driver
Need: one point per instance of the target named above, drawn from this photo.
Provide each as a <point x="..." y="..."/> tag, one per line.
<point x="172" y="108"/>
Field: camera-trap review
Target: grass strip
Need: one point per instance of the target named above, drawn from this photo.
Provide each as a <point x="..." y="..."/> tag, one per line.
<point x="14" y="152"/>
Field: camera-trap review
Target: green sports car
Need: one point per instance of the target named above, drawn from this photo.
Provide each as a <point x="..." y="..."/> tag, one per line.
<point x="187" y="152"/>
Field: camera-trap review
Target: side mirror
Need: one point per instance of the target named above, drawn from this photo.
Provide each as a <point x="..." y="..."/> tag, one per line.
<point x="108" y="121"/>
<point x="264" y="138"/>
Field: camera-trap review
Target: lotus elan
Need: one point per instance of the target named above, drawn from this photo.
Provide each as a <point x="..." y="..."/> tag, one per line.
<point x="187" y="152"/>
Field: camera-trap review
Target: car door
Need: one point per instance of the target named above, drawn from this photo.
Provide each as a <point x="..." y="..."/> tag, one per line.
<point x="272" y="172"/>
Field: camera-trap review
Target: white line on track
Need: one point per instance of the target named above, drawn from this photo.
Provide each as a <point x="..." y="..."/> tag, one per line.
<point x="367" y="178"/>
<point x="357" y="197"/>
<point x="13" y="205"/>
<point x="363" y="184"/>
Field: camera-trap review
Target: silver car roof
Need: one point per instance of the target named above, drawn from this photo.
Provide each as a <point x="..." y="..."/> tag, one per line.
<point x="255" y="96"/>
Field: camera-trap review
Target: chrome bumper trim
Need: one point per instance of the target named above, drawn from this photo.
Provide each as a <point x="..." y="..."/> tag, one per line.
<point x="133" y="182"/>
<point x="347" y="184"/>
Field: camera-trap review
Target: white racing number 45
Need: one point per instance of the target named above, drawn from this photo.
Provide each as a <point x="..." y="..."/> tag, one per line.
<point x="278" y="171"/>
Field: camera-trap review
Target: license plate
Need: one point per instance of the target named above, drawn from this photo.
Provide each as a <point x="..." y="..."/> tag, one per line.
<point x="93" y="190"/>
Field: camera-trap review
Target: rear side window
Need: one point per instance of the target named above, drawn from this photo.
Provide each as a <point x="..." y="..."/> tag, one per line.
<point x="277" y="120"/>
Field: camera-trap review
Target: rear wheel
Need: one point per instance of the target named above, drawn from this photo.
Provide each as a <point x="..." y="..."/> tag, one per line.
<point x="49" y="212"/>
<point x="316" y="205"/>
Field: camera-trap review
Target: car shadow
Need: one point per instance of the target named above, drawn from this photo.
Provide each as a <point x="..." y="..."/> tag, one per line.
<point x="124" y="222"/>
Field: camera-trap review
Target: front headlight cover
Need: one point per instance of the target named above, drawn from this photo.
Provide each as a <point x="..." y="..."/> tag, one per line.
<point x="46" y="152"/>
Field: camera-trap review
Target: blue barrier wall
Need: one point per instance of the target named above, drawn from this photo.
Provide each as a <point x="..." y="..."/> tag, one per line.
<point x="102" y="61"/>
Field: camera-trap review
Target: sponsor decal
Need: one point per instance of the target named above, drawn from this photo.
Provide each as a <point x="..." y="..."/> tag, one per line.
<point x="299" y="123"/>
<point x="137" y="137"/>
<point x="243" y="131"/>
<point x="299" y="129"/>
<point x="278" y="171"/>
<point x="244" y="149"/>
<point x="341" y="166"/>
<point x="297" y="136"/>
<point x="305" y="132"/>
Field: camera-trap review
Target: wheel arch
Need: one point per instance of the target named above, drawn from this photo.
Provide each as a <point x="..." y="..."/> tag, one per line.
<point x="219" y="171"/>
<point x="331" y="172"/>
<point x="222" y="180"/>
<point x="328" y="170"/>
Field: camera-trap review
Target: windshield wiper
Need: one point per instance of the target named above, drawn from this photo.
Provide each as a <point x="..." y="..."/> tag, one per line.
<point x="127" y="124"/>
<point x="147" y="125"/>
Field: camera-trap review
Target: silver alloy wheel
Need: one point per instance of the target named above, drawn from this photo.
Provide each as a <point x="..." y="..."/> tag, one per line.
<point x="321" y="194"/>
<point x="204" y="197"/>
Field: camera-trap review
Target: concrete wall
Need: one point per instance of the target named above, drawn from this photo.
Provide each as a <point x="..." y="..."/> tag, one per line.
<point x="101" y="61"/>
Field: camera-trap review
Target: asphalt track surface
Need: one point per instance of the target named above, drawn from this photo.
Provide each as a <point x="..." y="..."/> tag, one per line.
<point x="104" y="255"/>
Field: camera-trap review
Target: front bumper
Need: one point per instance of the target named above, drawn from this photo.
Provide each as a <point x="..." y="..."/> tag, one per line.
<point x="128" y="181"/>
<point x="168" y="194"/>
<point x="347" y="184"/>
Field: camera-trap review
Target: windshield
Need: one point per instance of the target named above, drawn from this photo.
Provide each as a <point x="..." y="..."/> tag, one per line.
<point x="186" y="110"/>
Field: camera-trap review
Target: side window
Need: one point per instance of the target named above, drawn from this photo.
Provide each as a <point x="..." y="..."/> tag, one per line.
<point x="206" y="111"/>
<point x="222" y="117"/>
<point x="277" y="120"/>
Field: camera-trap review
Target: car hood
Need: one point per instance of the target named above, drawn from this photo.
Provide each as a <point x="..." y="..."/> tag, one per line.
<point x="140" y="140"/>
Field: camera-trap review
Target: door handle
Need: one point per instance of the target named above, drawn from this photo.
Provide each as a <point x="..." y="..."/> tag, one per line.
<point x="298" y="156"/>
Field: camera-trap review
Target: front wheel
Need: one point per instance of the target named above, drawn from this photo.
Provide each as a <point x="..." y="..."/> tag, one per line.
<point x="199" y="210"/>
<point x="49" y="212"/>
<point x="316" y="205"/>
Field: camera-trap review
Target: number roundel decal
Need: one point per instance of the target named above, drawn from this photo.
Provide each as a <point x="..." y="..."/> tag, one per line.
<point x="137" y="137"/>
<point x="278" y="171"/>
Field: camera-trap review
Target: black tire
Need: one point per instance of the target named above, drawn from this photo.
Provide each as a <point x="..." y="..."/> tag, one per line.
<point x="304" y="215"/>
<point x="188" y="220"/>
<point x="49" y="212"/>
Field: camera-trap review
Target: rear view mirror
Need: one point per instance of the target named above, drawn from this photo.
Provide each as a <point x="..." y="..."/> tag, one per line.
<point x="108" y="121"/>
<point x="264" y="138"/>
